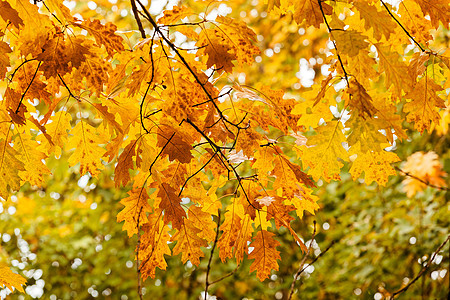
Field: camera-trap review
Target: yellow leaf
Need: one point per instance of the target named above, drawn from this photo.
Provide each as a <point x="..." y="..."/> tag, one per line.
<point x="104" y="35"/>
<point x="376" y="166"/>
<point x="349" y="42"/>
<point x="425" y="166"/>
<point x="378" y="20"/>
<point x="135" y="210"/>
<point x="35" y="169"/>
<point x="153" y="245"/>
<point x="189" y="242"/>
<point x="56" y="129"/>
<point x="265" y="254"/>
<point x="424" y="106"/>
<point x="397" y="73"/>
<point x="10" y="167"/>
<point x="88" y="153"/>
<point x="175" y="14"/>
<point x="325" y="150"/>
<point x="11" y="280"/>
<point x="304" y="200"/>
<point x="310" y="12"/>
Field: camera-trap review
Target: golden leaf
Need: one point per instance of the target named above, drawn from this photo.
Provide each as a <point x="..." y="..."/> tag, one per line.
<point x="11" y="280"/>
<point x="10" y="167"/>
<point x="135" y="210"/>
<point x="265" y="254"/>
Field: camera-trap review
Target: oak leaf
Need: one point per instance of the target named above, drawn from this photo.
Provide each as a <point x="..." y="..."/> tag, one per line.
<point x="10" y="14"/>
<point x="10" y="279"/>
<point x="10" y="167"/>
<point x="170" y="203"/>
<point x="189" y="242"/>
<point x="86" y="140"/>
<point x="135" y="211"/>
<point x="265" y="254"/>
<point x="153" y="245"/>
<point x="104" y="35"/>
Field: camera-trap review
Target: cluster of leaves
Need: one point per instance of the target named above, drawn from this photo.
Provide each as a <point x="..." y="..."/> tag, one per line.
<point x="192" y="144"/>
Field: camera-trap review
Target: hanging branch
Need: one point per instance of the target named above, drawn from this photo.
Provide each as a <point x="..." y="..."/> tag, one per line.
<point x="442" y="188"/>
<point x="334" y="42"/>
<point x="138" y="19"/>
<point x="208" y="268"/>
<point x="404" y="29"/>
<point x="28" y="87"/>
<point x="302" y="263"/>
<point x="424" y="269"/>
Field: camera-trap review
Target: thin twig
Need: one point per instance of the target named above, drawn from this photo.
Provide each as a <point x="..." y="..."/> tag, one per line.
<point x="302" y="263"/>
<point x="318" y="256"/>
<point x="138" y="19"/>
<point x="28" y="87"/>
<point x="208" y="268"/>
<point x="225" y="276"/>
<point x="404" y="29"/>
<point x="424" y="269"/>
<point x="138" y="269"/>
<point x="334" y="42"/>
<point x="442" y="188"/>
<point x="160" y="152"/>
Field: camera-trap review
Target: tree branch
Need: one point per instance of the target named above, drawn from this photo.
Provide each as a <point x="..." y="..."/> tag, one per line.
<point x="424" y="269"/>
<point x="208" y="268"/>
<point x="404" y="29"/>
<point x="442" y="188"/>
<point x="138" y="19"/>
<point x="334" y="43"/>
<point x="302" y="263"/>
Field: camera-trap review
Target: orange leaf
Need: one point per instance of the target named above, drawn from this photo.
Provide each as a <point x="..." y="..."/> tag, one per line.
<point x="189" y="242"/>
<point x="124" y="164"/>
<point x="265" y="254"/>
<point x="170" y="203"/>
<point x="9" y="14"/>
<point x="135" y="210"/>
<point x="11" y="280"/>
<point x="153" y="245"/>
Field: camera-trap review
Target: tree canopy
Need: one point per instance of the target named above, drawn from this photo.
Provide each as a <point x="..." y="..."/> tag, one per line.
<point x="218" y="126"/>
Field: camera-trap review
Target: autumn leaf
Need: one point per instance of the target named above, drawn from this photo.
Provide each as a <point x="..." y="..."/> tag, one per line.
<point x="9" y="14"/>
<point x="310" y="11"/>
<point x="189" y="242"/>
<point x="265" y="254"/>
<point x="11" y="280"/>
<point x="104" y="35"/>
<point x="135" y="210"/>
<point x="124" y="164"/>
<point x="86" y="139"/>
<point x="175" y="14"/>
<point x="423" y="108"/>
<point x="170" y="203"/>
<point x="153" y="245"/>
<point x="10" y="167"/>
<point x="326" y="148"/>
<point x="423" y="166"/>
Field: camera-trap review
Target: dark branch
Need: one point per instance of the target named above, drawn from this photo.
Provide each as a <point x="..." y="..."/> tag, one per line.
<point x="424" y="269"/>
<point x="208" y="268"/>
<point x="28" y="87"/>
<point x="404" y="29"/>
<point x="302" y="263"/>
<point x="138" y="19"/>
<point x="442" y="188"/>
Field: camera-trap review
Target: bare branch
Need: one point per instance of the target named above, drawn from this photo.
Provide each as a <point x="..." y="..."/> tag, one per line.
<point x="424" y="269"/>
<point x="208" y="268"/>
<point x="442" y="188"/>
<point x="300" y="269"/>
